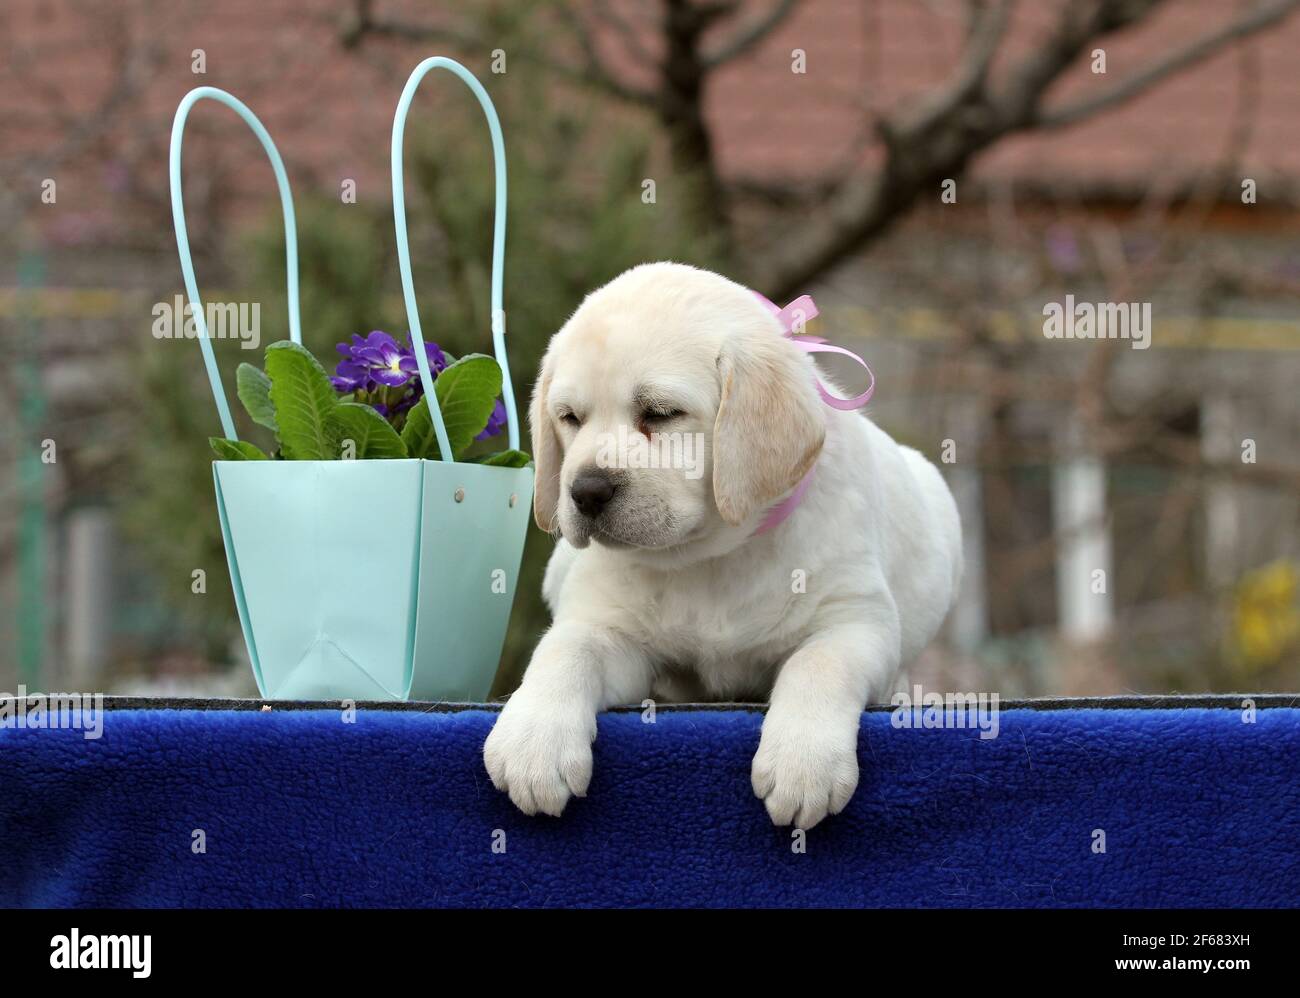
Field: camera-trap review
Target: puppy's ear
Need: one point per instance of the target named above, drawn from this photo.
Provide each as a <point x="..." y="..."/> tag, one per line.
<point x="770" y="427"/>
<point x="546" y="453"/>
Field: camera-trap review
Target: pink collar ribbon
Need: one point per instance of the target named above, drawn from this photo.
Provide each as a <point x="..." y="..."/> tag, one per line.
<point x="792" y="319"/>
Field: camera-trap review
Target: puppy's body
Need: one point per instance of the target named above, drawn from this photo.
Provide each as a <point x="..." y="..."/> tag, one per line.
<point x="877" y="518"/>
<point x="661" y="585"/>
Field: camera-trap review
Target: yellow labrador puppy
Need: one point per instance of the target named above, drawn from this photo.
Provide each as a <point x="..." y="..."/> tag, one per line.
<point x="671" y="418"/>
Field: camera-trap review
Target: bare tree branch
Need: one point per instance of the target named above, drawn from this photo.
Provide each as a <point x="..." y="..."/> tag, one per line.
<point x="131" y="61"/>
<point x="591" y="71"/>
<point x="938" y="140"/>
<point x="676" y="97"/>
<point x="628" y="31"/>
<point x="363" y="23"/>
<point x="987" y="25"/>
<point x="747" y="38"/>
<point x="1207" y="45"/>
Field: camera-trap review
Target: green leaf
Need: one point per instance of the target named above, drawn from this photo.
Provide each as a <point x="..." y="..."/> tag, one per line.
<point x="371" y="434"/>
<point x="504" y="459"/>
<point x="303" y="398"/>
<point x="417" y="433"/>
<point x="466" y="391"/>
<point x="235" y="450"/>
<point x="254" y="389"/>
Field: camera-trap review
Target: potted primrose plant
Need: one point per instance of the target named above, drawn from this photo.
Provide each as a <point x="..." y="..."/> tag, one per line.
<point x="370" y="559"/>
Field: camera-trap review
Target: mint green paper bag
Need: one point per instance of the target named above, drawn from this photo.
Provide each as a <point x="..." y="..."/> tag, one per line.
<point x="369" y="579"/>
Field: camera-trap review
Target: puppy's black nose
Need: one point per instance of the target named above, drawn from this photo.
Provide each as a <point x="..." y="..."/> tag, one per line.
<point x="592" y="491"/>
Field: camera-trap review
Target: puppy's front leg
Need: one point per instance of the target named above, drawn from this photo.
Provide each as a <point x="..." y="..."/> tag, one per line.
<point x="539" y="751"/>
<point x="807" y="761"/>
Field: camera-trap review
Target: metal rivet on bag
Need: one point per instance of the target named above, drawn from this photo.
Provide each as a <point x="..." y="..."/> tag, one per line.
<point x="513" y="499"/>
<point x="460" y="495"/>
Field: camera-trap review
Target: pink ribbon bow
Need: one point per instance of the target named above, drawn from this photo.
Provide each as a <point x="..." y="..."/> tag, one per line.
<point x="792" y="318"/>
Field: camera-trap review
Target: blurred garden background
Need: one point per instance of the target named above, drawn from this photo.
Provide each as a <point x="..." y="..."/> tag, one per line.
<point x="935" y="172"/>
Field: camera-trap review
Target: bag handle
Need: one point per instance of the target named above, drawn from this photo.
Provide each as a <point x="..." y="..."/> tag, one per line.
<point x="498" y="247"/>
<point x="183" y="239"/>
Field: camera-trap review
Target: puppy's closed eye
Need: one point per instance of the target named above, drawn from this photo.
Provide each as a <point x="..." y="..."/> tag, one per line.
<point x="654" y="407"/>
<point x="656" y="419"/>
<point x="659" y="415"/>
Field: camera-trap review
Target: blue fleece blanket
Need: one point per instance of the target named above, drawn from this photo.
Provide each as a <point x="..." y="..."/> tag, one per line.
<point x="296" y="808"/>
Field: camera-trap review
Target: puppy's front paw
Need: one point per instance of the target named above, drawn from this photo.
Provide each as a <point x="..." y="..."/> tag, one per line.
<point x="805" y="770"/>
<point x="540" y="754"/>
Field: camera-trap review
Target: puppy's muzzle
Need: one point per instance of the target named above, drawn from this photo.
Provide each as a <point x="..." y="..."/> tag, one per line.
<point x="592" y="491"/>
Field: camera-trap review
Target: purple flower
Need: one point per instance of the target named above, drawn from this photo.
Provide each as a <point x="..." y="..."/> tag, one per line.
<point x="357" y="370"/>
<point x="388" y="363"/>
<point x="384" y="374"/>
<point x="378" y="360"/>
<point x="349" y="376"/>
<point x="437" y="362"/>
<point x="496" y="422"/>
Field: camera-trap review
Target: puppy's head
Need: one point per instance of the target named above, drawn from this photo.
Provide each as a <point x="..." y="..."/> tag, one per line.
<point x="669" y="409"/>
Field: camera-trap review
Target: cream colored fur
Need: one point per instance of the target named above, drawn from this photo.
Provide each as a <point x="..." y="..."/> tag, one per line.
<point x="668" y="593"/>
